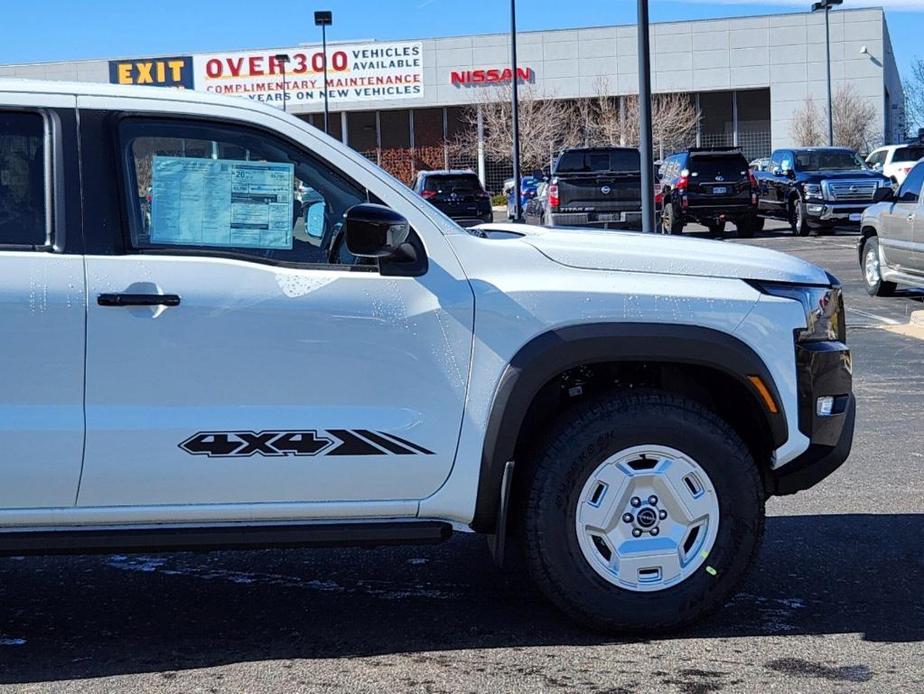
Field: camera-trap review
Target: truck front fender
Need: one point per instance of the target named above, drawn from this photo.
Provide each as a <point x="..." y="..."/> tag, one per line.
<point x="555" y="352"/>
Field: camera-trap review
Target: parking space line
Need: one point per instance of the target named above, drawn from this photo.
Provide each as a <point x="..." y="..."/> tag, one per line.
<point x="882" y="319"/>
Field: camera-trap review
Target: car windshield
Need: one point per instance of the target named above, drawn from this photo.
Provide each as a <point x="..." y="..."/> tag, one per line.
<point x="829" y="160"/>
<point x="461" y="183"/>
<point x="911" y="153"/>
<point x="594" y="161"/>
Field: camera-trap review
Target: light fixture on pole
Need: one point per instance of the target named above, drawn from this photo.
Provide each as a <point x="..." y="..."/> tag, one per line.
<point x="323" y="19"/>
<point x="282" y="59"/>
<point x="826" y="5"/>
<point x="515" y="116"/>
<point x="644" y="111"/>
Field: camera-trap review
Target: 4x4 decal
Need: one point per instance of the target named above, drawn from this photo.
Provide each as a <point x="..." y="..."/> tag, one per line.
<point x="275" y="444"/>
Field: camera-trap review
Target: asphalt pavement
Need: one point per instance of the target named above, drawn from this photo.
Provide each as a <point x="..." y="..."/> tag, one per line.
<point x="836" y="602"/>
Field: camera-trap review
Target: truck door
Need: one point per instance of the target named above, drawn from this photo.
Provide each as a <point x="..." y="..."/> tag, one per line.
<point x="900" y="222"/>
<point x="916" y="259"/>
<point x="237" y="352"/>
<point x="770" y="183"/>
<point x="42" y="303"/>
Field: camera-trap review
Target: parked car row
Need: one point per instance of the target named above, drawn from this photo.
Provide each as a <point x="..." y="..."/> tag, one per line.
<point x="815" y="189"/>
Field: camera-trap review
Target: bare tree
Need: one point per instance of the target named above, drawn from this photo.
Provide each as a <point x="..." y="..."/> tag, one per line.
<point x="854" y="121"/>
<point x="545" y="126"/>
<point x="855" y="124"/>
<point x="603" y="120"/>
<point x="914" y="94"/>
<point x="807" y="128"/>
<point x="674" y="120"/>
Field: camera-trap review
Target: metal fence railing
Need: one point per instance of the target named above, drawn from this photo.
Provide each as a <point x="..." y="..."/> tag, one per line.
<point x="754" y="145"/>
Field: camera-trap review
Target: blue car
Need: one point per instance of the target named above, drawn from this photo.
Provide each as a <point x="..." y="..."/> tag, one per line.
<point x="528" y="185"/>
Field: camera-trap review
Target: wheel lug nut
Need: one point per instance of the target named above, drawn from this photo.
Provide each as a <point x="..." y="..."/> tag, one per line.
<point x="628" y="518"/>
<point x="663" y="514"/>
<point x="653" y="500"/>
<point x="635" y="501"/>
<point x="636" y="532"/>
<point x="654" y="531"/>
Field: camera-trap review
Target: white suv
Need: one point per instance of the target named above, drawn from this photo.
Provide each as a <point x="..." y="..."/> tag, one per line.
<point x="895" y="161"/>
<point x="196" y="357"/>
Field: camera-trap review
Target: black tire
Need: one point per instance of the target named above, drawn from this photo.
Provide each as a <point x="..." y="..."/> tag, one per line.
<point x="746" y="227"/>
<point x="583" y="440"/>
<point x="875" y="286"/>
<point x="670" y="220"/>
<point x="716" y="228"/>
<point x="798" y="218"/>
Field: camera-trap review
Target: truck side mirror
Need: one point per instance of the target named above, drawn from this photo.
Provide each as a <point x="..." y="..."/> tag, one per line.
<point x="375" y="231"/>
<point x="884" y="194"/>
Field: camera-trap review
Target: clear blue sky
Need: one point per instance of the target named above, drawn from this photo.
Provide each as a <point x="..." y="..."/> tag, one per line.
<point x="43" y="30"/>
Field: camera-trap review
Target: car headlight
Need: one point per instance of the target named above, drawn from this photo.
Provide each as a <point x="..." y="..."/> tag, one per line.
<point x="824" y="309"/>
<point x="813" y="190"/>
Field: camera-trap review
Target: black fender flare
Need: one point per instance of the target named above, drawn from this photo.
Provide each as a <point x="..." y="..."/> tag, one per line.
<point x="557" y="351"/>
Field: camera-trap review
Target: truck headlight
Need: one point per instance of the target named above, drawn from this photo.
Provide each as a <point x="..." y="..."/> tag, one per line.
<point x="824" y="309"/>
<point x="813" y="191"/>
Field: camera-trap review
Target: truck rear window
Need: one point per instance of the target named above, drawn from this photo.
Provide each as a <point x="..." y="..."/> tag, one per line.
<point x="22" y="179"/>
<point x="453" y="184"/>
<point x="712" y="166"/>
<point x="620" y="160"/>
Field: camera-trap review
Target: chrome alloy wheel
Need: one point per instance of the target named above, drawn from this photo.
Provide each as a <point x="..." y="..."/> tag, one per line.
<point x="871" y="267"/>
<point x="647" y="518"/>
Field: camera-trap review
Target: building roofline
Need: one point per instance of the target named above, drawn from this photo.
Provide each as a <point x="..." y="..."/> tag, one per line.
<point x="440" y="38"/>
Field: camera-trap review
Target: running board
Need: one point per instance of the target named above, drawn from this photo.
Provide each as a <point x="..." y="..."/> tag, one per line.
<point x="225" y="537"/>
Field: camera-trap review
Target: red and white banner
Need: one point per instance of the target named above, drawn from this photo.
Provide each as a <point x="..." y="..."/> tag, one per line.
<point x="355" y="72"/>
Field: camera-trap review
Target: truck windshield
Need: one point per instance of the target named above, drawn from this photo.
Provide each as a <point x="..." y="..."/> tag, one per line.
<point x="909" y="153"/>
<point x="598" y="161"/>
<point x="829" y="160"/>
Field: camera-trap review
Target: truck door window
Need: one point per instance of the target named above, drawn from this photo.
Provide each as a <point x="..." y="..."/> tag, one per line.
<point x="910" y="192"/>
<point x="23" y="205"/>
<point x="226" y="190"/>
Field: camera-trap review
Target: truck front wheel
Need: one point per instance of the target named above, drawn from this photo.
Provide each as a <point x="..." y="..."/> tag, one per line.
<point x="644" y="513"/>
<point x="798" y="217"/>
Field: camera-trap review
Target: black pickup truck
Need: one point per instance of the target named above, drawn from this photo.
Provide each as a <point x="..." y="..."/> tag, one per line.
<point x="595" y="186"/>
<point x="817" y="188"/>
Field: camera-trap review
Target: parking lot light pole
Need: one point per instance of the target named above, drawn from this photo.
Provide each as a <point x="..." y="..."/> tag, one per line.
<point x="644" y="109"/>
<point x="515" y="115"/>
<point x="826" y="5"/>
<point x="323" y="19"/>
<point x="282" y="59"/>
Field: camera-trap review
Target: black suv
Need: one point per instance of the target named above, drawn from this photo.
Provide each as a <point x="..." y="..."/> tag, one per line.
<point x="708" y="186"/>
<point x="458" y="194"/>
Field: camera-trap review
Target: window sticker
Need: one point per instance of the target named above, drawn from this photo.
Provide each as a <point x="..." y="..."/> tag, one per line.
<point x="222" y="202"/>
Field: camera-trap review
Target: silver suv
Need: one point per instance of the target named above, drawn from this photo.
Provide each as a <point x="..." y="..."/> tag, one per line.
<point x="891" y="249"/>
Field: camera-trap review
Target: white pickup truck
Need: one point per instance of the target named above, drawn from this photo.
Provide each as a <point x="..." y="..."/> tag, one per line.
<point x="222" y="328"/>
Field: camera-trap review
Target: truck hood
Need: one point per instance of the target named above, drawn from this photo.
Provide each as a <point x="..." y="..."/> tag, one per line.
<point x="668" y="255"/>
<point x="837" y="174"/>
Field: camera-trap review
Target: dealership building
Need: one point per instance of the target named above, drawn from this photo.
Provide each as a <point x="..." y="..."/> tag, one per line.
<point x="401" y="103"/>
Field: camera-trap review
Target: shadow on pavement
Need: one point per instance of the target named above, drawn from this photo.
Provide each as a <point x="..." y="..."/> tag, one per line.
<point x="79" y="617"/>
